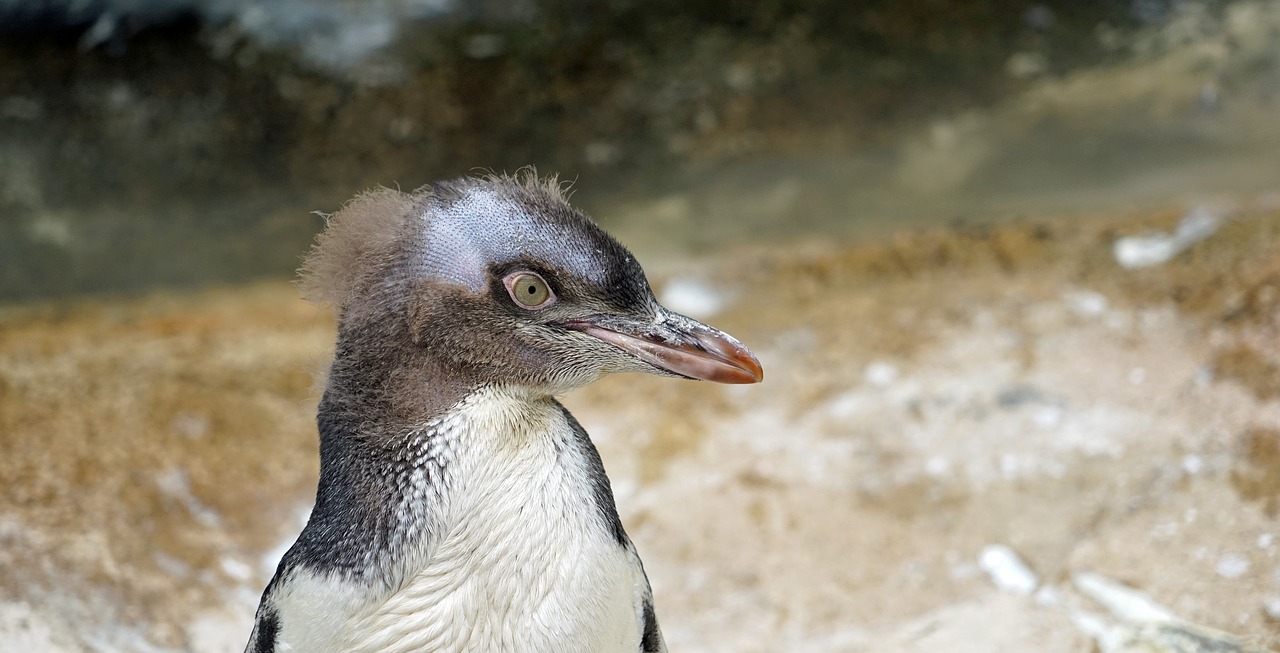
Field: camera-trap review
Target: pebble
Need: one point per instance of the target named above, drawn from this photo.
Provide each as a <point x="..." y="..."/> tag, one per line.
<point x="880" y="374"/>
<point x="1133" y="252"/>
<point x="1192" y="464"/>
<point x="1047" y="417"/>
<point x="693" y="297"/>
<point x="1232" y="565"/>
<point x="236" y="569"/>
<point x="1122" y="601"/>
<point x="1007" y="570"/>
<point x="1086" y="302"/>
<point x="1271" y="605"/>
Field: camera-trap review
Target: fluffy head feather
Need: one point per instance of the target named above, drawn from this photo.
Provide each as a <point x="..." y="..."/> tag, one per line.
<point x="355" y="242"/>
<point x="371" y="231"/>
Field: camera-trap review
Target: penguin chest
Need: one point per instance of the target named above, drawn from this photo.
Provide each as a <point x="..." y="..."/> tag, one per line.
<point x="544" y="580"/>
<point x="519" y="558"/>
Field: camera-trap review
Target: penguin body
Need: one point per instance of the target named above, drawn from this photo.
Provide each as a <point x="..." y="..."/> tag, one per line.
<point x="460" y="507"/>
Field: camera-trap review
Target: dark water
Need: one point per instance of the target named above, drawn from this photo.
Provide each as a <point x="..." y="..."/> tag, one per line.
<point x="179" y="143"/>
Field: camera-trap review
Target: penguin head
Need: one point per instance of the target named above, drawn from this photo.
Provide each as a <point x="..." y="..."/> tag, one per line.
<point x="500" y="280"/>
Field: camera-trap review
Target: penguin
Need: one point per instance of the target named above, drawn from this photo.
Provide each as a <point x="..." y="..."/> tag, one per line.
<point x="460" y="507"/>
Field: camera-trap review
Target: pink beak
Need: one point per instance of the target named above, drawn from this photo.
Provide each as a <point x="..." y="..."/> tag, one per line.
<point x="682" y="346"/>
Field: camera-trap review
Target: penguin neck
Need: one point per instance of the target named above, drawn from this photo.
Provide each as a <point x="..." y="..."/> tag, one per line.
<point x="385" y="490"/>
<point x="381" y="397"/>
<point x="385" y="381"/>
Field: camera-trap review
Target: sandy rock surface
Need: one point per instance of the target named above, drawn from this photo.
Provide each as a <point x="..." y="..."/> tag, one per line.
<point x="956" y="428"/>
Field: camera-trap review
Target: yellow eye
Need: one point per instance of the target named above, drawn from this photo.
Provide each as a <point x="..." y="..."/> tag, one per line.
<point x="529" y="290"/>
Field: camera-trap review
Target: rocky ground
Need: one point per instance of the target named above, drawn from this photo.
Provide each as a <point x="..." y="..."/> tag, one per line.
<point x="969" y="439"/>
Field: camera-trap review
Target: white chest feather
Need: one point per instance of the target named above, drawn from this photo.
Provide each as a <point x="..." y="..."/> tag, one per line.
<point x="518" y="558"/>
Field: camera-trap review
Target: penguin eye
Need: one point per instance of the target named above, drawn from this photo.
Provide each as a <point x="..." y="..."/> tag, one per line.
<point x="529" y="290"/>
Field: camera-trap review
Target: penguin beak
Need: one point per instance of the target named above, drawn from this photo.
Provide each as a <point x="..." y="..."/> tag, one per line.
<point x="677" y="344"/>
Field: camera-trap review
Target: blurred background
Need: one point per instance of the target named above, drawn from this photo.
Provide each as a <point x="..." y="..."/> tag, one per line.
<point x="1013" y="268"/>
<point x="152" y="143"/>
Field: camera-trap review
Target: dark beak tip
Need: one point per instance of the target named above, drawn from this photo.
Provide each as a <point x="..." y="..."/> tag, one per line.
<point x="747" y="370"/>
<point x="738" y="365"/>
<point x="738" y="379"/>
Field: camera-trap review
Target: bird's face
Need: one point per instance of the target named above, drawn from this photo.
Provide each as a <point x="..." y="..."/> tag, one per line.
<point x="511" y="283"/>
